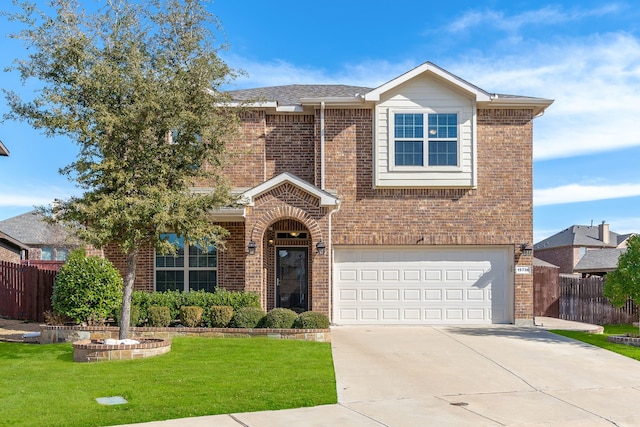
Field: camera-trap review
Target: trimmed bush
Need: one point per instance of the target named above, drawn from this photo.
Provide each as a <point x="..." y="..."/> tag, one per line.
<point x="87" y="289"/>
<point x="279" y="318"/>
<point x="220" y="316"/>
<point x="311" y="320"/>
<point x="159" y="316"/>
<point x="191" y="316"/>
<point x="247" y="317"/>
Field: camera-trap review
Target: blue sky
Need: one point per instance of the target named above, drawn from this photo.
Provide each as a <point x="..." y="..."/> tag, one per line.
<point x="585" y="55"/>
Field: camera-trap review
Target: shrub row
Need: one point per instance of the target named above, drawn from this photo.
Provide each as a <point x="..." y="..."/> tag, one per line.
<point x="278" y="318"/>
<point x="245" y="317"/>
<point x="174" y="301"/>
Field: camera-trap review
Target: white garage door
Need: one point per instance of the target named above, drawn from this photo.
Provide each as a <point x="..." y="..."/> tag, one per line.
<point x="401" y="285"/>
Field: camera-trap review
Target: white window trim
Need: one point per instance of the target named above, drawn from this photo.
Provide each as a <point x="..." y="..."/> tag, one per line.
<point x="425" y="149"/>
<point x="186" y="269"/>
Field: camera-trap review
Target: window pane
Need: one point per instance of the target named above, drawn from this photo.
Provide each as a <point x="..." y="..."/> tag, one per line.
<point x="62" y="254"/>
<point x="46" y="254"/>
<point x="169" y="280"/>
<point x="203" y="280"/>
<point x="443" y="153"/>
<point x="198" y="258"/>
<point x="443" y="125"/>
<point x="169" y="260"/>
<point x="409" y="153"/>
<point x="409" y="126"/>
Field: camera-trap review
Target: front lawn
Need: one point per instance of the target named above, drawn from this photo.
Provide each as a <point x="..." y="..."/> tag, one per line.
<point x="40" y="385"/>
<point x="600" y="340"/>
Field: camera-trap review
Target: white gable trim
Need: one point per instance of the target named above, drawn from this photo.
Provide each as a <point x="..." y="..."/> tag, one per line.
<point x="428" y="67"/>
<point x="326" y="199"/>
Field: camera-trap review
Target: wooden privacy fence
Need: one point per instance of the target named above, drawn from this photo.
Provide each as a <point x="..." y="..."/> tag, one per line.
<point x="25" y="291"/>
<point x="581" y="300"/>
<point x="546" y="297"/>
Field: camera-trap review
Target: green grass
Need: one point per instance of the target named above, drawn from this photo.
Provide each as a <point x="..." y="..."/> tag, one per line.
<point x="600" y="340"/>
<point x="40" y="385"/>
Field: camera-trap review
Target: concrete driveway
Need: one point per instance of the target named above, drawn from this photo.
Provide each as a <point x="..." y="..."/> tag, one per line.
<point x="491" y="376"/>
<point x="462" y="376"/>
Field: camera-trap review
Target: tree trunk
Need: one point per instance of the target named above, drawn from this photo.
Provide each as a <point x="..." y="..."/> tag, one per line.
<point x="125" y="315"/>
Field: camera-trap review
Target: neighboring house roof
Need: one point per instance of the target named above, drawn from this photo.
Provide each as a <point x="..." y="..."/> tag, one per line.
<point x="3" y="150"/>
<point x="540" y="263"/>
<point x="599" y="261"/>
<point x="31" y="229"/>
<point x="292" y="97"/>
<point x="580" y="235"/>
<point x="12" y="242"/>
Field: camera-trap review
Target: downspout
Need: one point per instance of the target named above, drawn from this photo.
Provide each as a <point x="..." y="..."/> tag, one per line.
<point x="330" y="278"/>
<point x="322" y="146"/>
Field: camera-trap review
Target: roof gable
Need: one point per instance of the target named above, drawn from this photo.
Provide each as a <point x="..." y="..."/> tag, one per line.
<point x="326" y="199"/>
<point x="429" y="68"/>
<point x="3" y="150"/>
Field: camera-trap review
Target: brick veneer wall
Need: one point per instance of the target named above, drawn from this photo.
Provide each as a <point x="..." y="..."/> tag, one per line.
<point x="9" y="255"/>
<point x="562" y="257"/>
<point x="498" y="212"/>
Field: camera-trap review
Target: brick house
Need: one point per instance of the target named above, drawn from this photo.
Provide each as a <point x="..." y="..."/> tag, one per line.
<point x="403" y="204"/>
<point x="29" y="237"/>
<point x="568" y="248"/>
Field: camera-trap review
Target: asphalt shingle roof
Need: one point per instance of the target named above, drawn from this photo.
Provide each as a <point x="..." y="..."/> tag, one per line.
<point x="292" y="94"/>
<point x="599" y="260"/>
<point x="580" y="235"/>
<point x="30" y="229"/>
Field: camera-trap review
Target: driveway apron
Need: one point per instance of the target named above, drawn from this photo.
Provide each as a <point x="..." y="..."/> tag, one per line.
<point x="481" y="376"/>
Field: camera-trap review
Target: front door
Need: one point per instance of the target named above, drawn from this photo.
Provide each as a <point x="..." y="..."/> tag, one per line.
<point x="292" y="277"/>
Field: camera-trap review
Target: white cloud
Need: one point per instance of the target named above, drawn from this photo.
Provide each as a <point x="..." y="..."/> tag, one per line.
<point x="33" y="196"/>
<point x="512" y="23"/>
<point x="595" y="82"/>
<point x="574" y="193"/>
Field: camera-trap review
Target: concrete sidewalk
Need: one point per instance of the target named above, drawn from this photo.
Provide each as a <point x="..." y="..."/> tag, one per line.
<point x="463" y="376"/>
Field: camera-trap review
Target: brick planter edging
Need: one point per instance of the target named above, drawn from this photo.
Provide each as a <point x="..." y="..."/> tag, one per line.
<point x="96" y="351"/>
<point x="53" y="334"/>
<point x="623" y="339"/>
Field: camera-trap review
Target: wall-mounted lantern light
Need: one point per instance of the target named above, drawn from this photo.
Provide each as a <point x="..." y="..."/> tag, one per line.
<point x="251" y="247"/>
<point x="526" y="249"/>
<point x="320" y="247"/>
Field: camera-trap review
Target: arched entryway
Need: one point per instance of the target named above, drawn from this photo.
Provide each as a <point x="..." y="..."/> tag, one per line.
<point x="288" y="264"/>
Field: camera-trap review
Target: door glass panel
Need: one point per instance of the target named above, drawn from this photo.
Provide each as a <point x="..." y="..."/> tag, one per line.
<point x="291" y="278"/>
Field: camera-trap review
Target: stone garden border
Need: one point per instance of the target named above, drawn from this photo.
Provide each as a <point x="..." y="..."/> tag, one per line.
<point x="54" y="334"/>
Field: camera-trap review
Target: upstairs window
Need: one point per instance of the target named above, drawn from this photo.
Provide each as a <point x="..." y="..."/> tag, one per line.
<point x="191" y="268"/>
<point x="415" y="148"/>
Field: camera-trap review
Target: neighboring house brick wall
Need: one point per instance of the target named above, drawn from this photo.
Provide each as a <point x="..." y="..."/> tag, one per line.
<point x="9" y="255"/>
<point x="563" y="257"/>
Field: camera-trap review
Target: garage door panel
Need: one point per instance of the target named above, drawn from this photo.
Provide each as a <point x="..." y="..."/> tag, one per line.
<point x="390" y="275"/>
<point x="433" y="294"/>
<point x="422" y="286"/>
<point x="348" y="275"/>
<point x="433" y="275"/>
